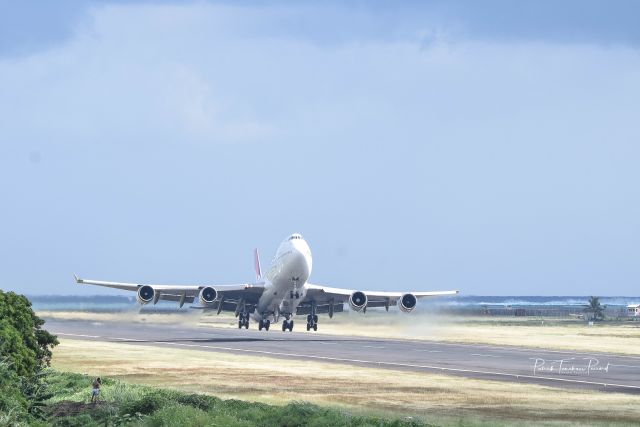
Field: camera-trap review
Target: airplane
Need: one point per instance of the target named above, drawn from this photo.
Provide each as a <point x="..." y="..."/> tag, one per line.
<point x="283" y="291"/>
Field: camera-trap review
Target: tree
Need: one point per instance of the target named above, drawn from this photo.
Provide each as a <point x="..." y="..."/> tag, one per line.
<point x="24" y="345"/>
<point x="25" y="349"/>
<point x="595" y="308"/>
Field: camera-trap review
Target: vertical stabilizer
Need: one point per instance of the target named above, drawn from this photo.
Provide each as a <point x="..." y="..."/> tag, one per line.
<point x="257" y="265"/>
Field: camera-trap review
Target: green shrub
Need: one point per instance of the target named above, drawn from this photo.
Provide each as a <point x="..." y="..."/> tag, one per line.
<point x="178" y="415"/>
<point x="146" y="405"/>
<point x="13" y="403"/>
<point x="200" y="401"/>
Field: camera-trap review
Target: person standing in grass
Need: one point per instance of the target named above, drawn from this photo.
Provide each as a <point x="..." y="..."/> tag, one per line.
<point x="96" y="390"/>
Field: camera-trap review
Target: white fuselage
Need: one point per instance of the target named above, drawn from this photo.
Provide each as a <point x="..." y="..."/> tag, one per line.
<point x="286" y="279"/>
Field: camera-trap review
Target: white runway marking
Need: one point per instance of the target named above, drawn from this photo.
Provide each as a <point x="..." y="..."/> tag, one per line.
<point x="372" y="346"/>
<point x="522" y="349"/>
<point x="77" y="335"/>
<point x="428" y="351"/>
<point x="484" y="355"/>
<point x="625" y="366"/>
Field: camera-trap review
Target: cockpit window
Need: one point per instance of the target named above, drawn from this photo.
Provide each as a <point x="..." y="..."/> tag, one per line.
<point x="295" y="236"/>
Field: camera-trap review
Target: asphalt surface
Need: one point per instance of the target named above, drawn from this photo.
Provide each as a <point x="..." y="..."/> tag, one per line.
<point x="599" y="371"/>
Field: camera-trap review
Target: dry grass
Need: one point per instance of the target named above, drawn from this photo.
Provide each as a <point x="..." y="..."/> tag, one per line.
<point x="446" y="399"/>
<point x="578" y="336"/>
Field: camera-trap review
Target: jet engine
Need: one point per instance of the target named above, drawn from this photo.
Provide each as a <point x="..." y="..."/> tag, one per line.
<point x="407" y="302"/>
<point x="207" y="295"/>
<point x="358" y="300"/>
<point x="145" y="294"/>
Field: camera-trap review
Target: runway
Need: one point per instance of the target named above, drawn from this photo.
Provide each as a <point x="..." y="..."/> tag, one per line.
<point x="599" y="371"/>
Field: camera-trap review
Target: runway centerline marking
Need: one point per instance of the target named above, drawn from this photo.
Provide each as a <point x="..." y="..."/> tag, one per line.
<point x="484" y="355"/>
<point x="77" y="335"/>
<point x="428" y="351"/>
<point x="373" y="346"/>
<point x="625" y="366"/>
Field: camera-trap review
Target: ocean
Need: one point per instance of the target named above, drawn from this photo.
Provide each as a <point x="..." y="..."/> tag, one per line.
<point x="469" y="304"/>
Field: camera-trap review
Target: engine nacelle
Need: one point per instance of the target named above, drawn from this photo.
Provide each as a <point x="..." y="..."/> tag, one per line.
<point x="145" y="294"/>
<point x="207" y="295"/>
<point x="358" y="300"/>
<point x="407" y="302"/>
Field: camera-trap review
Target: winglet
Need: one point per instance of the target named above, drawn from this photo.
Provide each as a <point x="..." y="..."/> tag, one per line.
<point x="78" y="280"/>
<point x="257" y="265"/>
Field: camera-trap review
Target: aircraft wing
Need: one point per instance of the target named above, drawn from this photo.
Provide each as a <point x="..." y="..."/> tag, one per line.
<point x="227" y="296"/>
<point x="328" y="299"/>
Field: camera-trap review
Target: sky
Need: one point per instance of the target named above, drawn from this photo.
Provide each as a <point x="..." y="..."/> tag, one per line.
<point x="491" y="147"/>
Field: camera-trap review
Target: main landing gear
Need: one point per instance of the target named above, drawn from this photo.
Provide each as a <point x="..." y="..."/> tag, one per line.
<point x="312" y="322"/>
<point x="264" y="324"/>
<point x="287" y="324"/>
<point x="243" y="320"/>
<point x="312" y="318"/>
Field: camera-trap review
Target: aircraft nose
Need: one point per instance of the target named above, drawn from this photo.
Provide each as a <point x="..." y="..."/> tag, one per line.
<point x="299" y="256"/>
<point x="302" y="262"/>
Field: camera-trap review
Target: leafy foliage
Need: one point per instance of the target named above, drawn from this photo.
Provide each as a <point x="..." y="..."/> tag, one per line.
<point x="25" y="349"/>
<point x="23" y="342"/>
<point x="12" y="401"/>
<point x="595" y="308"/>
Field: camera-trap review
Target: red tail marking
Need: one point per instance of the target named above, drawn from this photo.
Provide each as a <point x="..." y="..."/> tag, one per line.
<point x="257" y="265"/>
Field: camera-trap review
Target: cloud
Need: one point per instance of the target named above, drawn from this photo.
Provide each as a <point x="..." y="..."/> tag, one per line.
<point x="169" y="137"/>
<point x="28" y="27"/>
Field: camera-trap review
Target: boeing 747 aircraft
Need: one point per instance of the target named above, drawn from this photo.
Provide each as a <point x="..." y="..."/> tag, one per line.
<point x="282" y="292"/>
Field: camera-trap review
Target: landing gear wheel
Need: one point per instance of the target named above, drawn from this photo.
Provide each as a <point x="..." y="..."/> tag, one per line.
<point x="260" y="325"/>
<point x="243" y="320"/>
<point x="290" y="325"/>
<point x="284" y="325"/>
<point x="312" y="322"/>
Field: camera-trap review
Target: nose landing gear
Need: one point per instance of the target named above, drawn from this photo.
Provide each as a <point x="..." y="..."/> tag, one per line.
<point x="294" y="292"/>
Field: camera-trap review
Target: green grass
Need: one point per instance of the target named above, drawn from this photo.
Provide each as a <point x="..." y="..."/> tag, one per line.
<point x="136" y="405"/>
